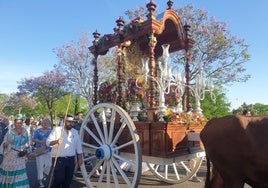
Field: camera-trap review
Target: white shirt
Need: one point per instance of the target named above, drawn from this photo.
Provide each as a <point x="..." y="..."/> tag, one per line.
<point x="71" y="143"/>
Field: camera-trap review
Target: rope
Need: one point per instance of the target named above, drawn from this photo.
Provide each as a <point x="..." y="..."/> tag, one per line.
<point x="59" y="145"/>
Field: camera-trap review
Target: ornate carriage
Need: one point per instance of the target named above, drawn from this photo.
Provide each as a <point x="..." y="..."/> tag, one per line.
<point x="114" y="143"/>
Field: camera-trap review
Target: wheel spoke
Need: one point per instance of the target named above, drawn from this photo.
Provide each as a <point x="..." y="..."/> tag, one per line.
<point x="155" y="167"/>
<point x="95" y="168"/>
<point x="97" y="126"/>
<point x="185" y="167"/>
<point x="102" y="172"/>
<point x="131" y="142"/>
<point x="176" y="171"/>
<point x="122" y="173"/>
<point x="93" y="135"/>
<point x="89" y="145"/>
<point x="111" y="132"/>
<point x="89" y="157"/>
<point x="166" y="171"/>
<point x="116" y="182"/>
<point x="108" y="173"/>
<point x="104" y="124"/>
<point x="124" y="160"/>
<point x="120" y="130"/>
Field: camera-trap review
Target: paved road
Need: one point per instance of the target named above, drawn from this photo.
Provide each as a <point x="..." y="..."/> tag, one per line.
<point x="147" y="180"/>
<point x="32" y="175"/>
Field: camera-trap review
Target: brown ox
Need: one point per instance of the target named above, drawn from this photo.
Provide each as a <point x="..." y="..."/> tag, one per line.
<point x="238" y="149"/>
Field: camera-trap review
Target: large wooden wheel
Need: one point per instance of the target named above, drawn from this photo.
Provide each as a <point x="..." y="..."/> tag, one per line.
<point x="110" y="140"/>
<point x="177" y="170"/>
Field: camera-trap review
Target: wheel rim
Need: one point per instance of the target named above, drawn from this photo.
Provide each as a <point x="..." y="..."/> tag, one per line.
<point x="108" y="134"/>
<point x="178" y="172"/>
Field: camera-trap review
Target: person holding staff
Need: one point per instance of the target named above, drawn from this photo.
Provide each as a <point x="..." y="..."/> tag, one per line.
<point x="66" y="145"/>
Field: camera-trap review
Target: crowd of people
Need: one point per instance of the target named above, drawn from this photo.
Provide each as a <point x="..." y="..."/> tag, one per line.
<point x="57" y="150"/>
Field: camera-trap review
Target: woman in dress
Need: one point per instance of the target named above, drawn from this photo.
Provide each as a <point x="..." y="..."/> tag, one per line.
<point x="43" y="158"/>
<point x="13" y="169"/>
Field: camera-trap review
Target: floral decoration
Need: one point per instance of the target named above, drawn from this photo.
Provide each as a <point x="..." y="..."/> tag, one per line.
<point x="173" y="97"/>
<point x="134" y="25"/>
<point x="107" y="92"/>
<point x="187" y="119"/>
<point x="133" y="92"/>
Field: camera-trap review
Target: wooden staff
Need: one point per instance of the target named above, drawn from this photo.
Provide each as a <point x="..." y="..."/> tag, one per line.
<point x="59" y="144"/>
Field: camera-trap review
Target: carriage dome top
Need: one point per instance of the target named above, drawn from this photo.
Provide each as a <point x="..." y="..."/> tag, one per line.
<point x="167" y="28"/>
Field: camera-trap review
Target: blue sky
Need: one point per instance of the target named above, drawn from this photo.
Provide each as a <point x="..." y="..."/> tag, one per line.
<point x="30" y="29"/>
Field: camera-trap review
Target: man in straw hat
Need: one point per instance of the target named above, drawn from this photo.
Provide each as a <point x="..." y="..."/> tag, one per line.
<point x="66" y="145"/>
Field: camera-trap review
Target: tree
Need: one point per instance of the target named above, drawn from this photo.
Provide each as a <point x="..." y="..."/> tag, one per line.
<point x="216" y="52"/>
<point x="243" y="107"/>
<point x="61" y="104"/>
<point x="220" y="54"/>
<point x="75" y="63"/>
<point x="3" y="102"/>
<point x="257" y="109"/>
<point x="218" y="108"/>
<point x="137" y="12"/>
<point x="20" y="103"/>
<point x="47" y="88"/>
<point x="260" y="109"/>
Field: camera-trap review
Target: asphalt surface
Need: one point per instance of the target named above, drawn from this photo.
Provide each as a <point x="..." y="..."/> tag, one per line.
<point x="32" y="176"/>
<point x="147" y="179"/>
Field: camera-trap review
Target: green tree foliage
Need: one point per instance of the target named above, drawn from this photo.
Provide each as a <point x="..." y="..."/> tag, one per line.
<point x="47" y="88"/>
<point x="257" y="109"/>
<point x="218" y="108"/>
<point x="260" y="109"/>
<point x="3" y="101"/>
<point x="20" y="103"/>
<point x="61" y="106"/>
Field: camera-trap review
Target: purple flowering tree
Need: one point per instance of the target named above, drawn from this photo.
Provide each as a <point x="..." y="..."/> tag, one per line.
<point x="217" y="51"/>
<point x="75" y="63"/>
<point x="47" y="88"/>
<point x="220" y="55"/>
<point x="20" y="101"/>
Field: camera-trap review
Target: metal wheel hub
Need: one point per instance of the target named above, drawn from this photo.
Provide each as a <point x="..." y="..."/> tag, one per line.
<point x="104" y="152"/>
